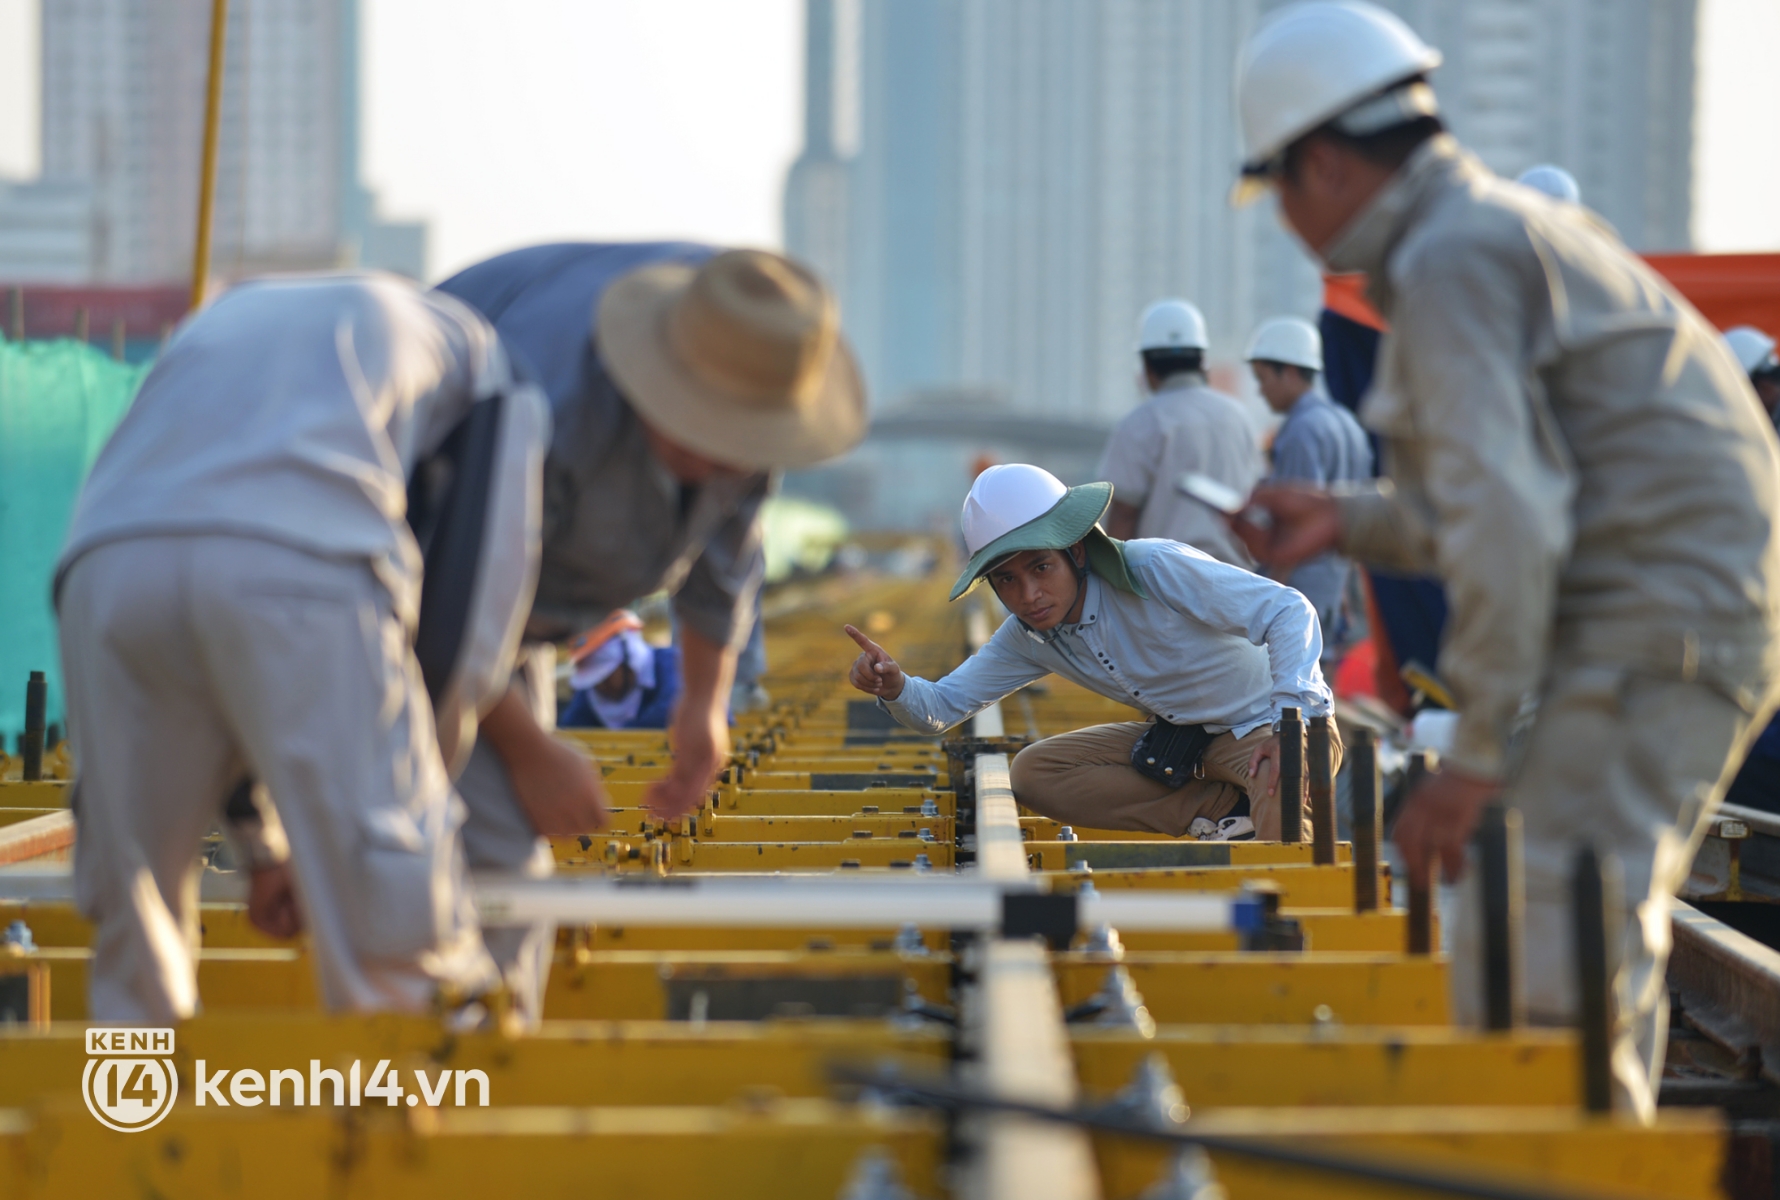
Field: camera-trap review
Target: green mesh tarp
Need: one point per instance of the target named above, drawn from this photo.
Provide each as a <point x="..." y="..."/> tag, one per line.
<point x="59" y="401"/>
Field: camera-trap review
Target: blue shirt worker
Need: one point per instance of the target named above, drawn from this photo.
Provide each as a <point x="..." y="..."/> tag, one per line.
<point x="624" y="683"/>
<point x="1321" y="444"/>
<point x="1206" y="648"/>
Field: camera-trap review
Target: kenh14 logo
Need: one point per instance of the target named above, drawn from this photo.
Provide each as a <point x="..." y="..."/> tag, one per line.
<point x="129" y="1083"/>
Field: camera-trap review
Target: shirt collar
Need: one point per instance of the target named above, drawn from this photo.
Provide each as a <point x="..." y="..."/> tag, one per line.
<point x="1180" y="381"/>
<point x="1367" y="242"/>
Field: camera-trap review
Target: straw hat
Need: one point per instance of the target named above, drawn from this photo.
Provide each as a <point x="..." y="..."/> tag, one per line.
<point x="740" y="359"/>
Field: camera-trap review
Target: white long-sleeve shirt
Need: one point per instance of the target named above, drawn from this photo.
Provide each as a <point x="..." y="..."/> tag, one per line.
<point x="1213" y="645"/>
<point x="296" y="409"/>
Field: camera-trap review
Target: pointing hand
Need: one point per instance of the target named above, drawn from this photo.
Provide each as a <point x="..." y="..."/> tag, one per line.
<point x="874" y="672"/>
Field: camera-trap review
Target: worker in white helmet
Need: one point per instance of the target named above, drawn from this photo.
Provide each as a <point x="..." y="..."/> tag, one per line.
<point x="1211" y="652"/>
<point x="1185" y="426"/>
<point x="1755" y="354"/>
<point x="1319" y="443"/>
<point x="1576" y="453"/>
<point x="1553" y="181"/>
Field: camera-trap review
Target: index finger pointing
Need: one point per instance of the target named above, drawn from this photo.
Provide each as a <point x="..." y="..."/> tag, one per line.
<point x="865" y="643"/>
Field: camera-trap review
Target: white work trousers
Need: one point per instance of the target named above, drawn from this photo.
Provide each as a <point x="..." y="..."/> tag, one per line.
<point x="1634" y="764"/>
<point x="195" y="661"/>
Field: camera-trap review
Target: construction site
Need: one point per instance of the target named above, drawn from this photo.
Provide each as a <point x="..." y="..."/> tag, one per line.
<point x="532" y="734"/>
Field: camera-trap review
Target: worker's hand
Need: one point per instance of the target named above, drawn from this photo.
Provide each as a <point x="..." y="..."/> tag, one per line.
<point x="1263" y="769"/>
<point x="1438" y="820"/>
<point x="701" y="748"/>
<point x="1305" y="521"/>
<point x="874" y="672"/>
<point x="558" y="788"/>
<point x="272" y="902"/>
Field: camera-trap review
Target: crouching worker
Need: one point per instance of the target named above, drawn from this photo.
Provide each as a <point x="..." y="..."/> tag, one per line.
<point x="620" y="681"/>
<point x="297" y="576"/>
<point x="1209" y="651"/>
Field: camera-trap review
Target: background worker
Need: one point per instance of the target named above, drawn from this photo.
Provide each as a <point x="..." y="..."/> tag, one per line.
<point x="1755" y="354"/>
<point x="1319" y="443"/>
<point x="242" y="597"/>
<point x="1184" y="426"/>
<point x="623" y="682"/>
<point x="1574" y="451"/>
<point x="1210" y="651"/>
<point x="681" y="380"/>
<point x="1552" y="181"/>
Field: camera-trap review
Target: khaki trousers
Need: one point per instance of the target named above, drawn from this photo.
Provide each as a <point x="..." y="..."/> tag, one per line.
<point x="193" y="662"/>
<point x="1086" y="778"/>
<point x="1634" y="764"/>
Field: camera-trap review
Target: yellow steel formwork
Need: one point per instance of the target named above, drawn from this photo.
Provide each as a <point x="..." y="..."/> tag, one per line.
<point x="629" y="1088"/>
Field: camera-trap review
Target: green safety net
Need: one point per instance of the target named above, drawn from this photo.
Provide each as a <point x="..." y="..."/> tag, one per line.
<point x="59" y="401"/>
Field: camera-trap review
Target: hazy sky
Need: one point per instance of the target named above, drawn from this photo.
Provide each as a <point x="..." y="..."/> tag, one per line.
<point x="509" y="123"/>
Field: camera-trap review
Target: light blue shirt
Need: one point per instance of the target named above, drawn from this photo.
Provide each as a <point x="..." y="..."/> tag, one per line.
<point x="1321" y="443"/>
<point x="1214" y="645"/>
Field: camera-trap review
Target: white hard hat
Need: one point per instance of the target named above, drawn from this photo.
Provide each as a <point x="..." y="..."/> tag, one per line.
<point x="1309" y="64"/>
<point x="1006" y="497"/>
<point x="1287" y="340"/>
<point x="1753" y="348"/>
<point x="1553" y="180"/>
<point x="1172" y="325"/>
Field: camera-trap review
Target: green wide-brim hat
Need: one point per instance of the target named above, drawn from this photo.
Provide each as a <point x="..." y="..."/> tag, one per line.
<point x="1074" y="518"/>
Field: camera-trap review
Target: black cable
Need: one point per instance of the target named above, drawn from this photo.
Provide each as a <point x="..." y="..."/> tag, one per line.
<point x="945" y="1095"/>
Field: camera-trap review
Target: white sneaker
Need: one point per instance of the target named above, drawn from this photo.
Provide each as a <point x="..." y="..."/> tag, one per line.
<point x="1203" y="828"/>
<point x="1233" y="829"/>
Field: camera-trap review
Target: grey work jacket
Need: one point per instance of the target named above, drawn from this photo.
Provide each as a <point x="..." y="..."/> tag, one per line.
<point x="1568" y="444"/>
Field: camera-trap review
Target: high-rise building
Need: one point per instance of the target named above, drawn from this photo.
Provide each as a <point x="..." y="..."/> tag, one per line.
<point x="1029" y="174"/>
<point x="122" y="119"/>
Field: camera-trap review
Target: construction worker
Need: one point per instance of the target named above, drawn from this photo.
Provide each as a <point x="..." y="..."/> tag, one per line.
<point x="1185" y="426"/>
<point x="1573" y="450"/>
<point x="1755" y="354"/>
<point x="681" y="380"/>
<point x="1319" y="443"/>
<point x="1210" y="651"/>
<point x="622" y="682"/>
<point x="243" y="597"/>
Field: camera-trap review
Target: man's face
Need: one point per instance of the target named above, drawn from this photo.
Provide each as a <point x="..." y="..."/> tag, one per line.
<point x="1038" y="586"/>
<point x="617" y="685"/>
<point x="685" y="464"/>
<point x="1280" y="385"/>
<point x="1326" y="188"/>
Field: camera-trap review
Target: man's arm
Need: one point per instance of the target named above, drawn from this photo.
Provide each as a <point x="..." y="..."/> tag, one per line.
<point x="559" y="790"/>
<point x="1499" y="491"/>
<point x="987" y="676"/>
<point x="700" y="732"/>
<point x="1132" y="456"/>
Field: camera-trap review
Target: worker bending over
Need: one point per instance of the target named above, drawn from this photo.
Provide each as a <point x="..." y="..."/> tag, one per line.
<point x="1574" y="451"/>
<point x="1184" y="426"/>
<point x="681" y="380"/>
<point x="1211" y="652"/>
<point x="1319" y="443"/>
<point x="622" y="682"/>
<point x="243" y="598"/>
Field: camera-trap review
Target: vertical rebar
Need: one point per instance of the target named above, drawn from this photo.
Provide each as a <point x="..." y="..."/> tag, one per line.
<point x="1498" y="845"/>
<point x="1421" y="899"/>
<point x="31" y="745"/>
<point x="219" y="21"/>
<point x="1291" y="774"/>
<point x="117" y="339"/>
<point x="1594" y="897"/>
<point x="1320" y="774"/>
<point x="1366" y="820"/>
<point x="80" y="323"/>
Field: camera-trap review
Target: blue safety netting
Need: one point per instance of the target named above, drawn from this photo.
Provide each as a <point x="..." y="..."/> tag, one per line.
<point x="59" y="401"/>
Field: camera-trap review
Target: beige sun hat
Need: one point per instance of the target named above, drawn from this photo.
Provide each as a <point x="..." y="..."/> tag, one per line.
<point x="740" y="359"/>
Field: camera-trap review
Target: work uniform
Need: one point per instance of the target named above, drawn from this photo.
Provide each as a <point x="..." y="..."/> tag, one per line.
<point x="1206" y="644"/>
<point x="1575" y="452"/>
<point x="1186" y="426"/>
<point x="618" y="526"/>
<point x="1321" y="443"/>
<point x="239" y="600"/>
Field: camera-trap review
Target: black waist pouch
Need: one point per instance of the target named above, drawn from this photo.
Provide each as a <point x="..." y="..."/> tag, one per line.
<point x="1169" y="753"/>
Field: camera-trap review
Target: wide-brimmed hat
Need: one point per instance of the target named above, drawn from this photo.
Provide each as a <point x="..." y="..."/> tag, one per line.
<point x="1019" y="507"/>
<point x="740" y="359"/>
